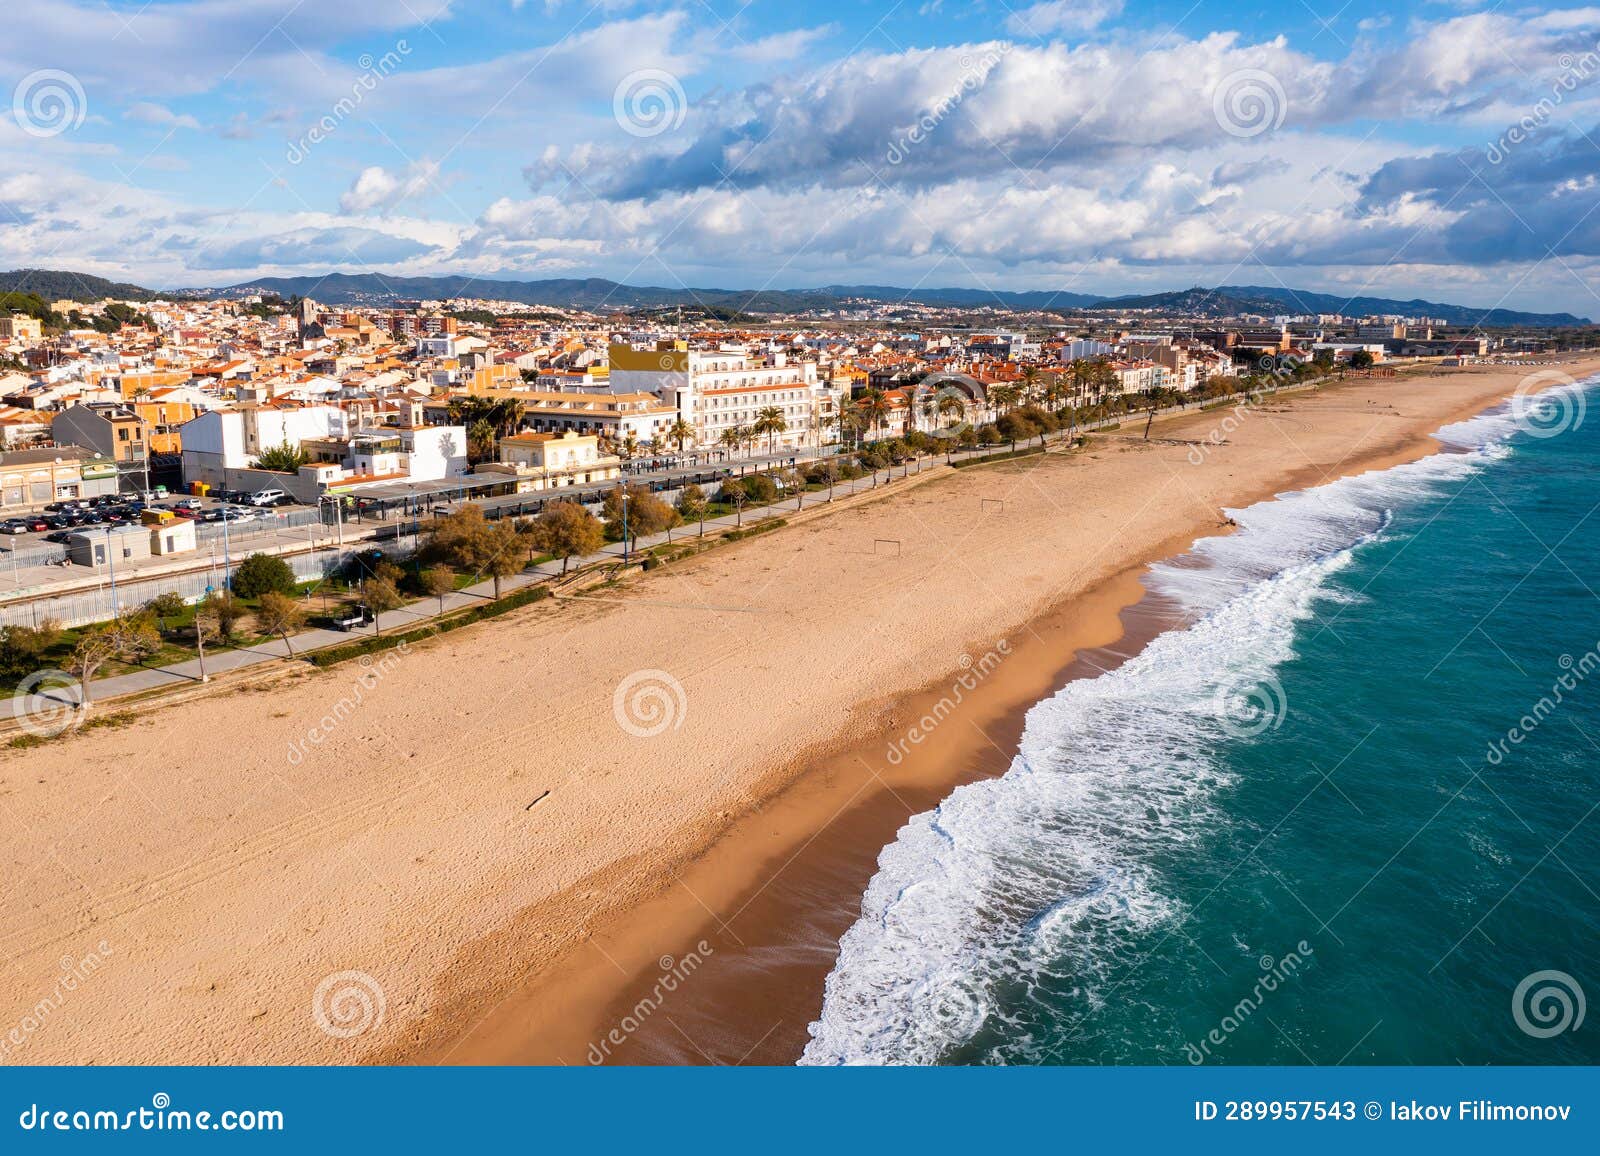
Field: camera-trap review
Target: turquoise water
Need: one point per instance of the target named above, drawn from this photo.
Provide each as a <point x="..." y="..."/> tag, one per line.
<point x="1301" y="829"/>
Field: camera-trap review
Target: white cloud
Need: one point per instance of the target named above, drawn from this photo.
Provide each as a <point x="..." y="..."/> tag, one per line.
<point x="376" y="188"/>
<point x="1058" y="16"/>
<point x="148" y="112"/>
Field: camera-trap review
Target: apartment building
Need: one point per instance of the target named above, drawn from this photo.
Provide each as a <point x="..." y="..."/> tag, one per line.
<point x="33" y="478"/>
<point x="719" y="389"/>
<point x="18" y="327"/>
<point x="547" y="461"/>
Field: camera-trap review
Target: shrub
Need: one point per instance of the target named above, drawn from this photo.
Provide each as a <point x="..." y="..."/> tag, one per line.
<point x="261" y="574"/>
<point x="760" y="489"/>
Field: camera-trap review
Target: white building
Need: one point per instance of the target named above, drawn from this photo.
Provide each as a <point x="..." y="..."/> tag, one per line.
<point x="720" y="389"/>
<point x="231" y="439"/>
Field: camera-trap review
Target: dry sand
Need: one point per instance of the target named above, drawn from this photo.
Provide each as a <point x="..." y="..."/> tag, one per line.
<point x="182" y="890"/>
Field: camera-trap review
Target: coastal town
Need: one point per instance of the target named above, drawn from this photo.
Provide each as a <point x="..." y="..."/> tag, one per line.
<point x="153" y="447"/>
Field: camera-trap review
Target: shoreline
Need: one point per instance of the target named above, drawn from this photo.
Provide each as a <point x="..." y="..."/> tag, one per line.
<point x="469" y="845"/>
<point x="760" y="911"/>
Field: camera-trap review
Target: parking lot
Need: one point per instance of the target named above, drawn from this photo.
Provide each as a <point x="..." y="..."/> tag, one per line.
<point x="53" y="524"/>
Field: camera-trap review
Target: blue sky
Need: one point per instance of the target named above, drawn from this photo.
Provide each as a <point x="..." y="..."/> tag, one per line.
<point x="1435" y="149"/>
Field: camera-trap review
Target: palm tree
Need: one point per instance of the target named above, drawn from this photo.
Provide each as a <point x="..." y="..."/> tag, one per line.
<point x="732" y="437"/>
<point x="769" y="421"/>
<point x="680" y="431"/>
<point x="951" y="406"/>
<point x="1030" y="382"/>
<point x="1004" y="396"/>
<point x="1055" y="393"/>
<point x="512" y="409"/>
<point x="873" y="407"/>
<point x="480" y="440"/>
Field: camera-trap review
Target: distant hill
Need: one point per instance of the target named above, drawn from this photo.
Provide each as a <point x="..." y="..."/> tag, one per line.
<point x="60" y="285"/>
<point x="1231" y="300"/>
<point x="598" y="295"/>
<point x="593" y="294"/>
<point x="1031" y="299"/>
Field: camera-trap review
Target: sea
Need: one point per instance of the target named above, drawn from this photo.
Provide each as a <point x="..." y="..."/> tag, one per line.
<point x="1343" y="811"/>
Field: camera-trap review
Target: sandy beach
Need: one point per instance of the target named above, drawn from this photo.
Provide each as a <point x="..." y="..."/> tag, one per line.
<point x="673" y="789"/>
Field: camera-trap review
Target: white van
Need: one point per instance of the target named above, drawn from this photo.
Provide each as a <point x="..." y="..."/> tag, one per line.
<point x="268" y="497"/>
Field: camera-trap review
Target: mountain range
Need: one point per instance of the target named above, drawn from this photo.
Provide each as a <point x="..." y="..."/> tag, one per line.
<point x="595" y="294"/>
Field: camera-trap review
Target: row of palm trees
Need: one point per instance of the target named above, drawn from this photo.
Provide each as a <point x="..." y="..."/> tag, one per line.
<point x="1086" y="382"/>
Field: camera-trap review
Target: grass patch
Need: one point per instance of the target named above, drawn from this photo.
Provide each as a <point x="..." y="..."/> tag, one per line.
<point x="764" y="526"/>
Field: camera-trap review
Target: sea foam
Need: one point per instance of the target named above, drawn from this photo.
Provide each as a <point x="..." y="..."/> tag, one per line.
<point x="1044" y="874"/>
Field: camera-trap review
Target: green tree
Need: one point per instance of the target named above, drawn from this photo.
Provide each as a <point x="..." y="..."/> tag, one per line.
<point x="380" y="595"/>
<point x="646" y="514"/>
<point x="871" y="410"/>
<point x="734" y="493"/>
<point x="130" y="638"/>
<point x="22" y="648"/>
<point x="503" y="549"/>
<point x="438" y="580"/>
<point x="259" y="574"/>
<point x="567" y="530"/>
<point x="281" y="615"/>
<point x="1361" y="359"/>
<point x="1003" y="396"/>
<point x="692" y="506"/>
<point x="165" y="606"/>
<point x="282" y="459"/>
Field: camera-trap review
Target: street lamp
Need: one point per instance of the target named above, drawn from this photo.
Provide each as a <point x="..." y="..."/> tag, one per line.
<point x="111" y="561"/>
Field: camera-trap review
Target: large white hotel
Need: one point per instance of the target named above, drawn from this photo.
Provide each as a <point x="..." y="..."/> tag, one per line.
<point x="720" y="389"/>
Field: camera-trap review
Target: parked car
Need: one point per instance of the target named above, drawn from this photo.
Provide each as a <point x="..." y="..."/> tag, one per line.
<point x="13" y="526"/>
<point x="356" y="617"/>
<point x="188" y="504"/>
<point x="270" y="496"/>
<point x="60" y="537"/>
